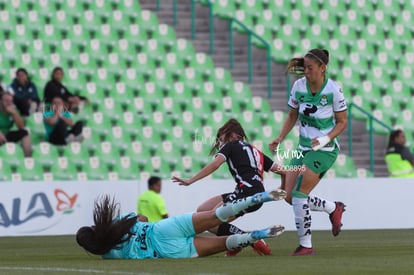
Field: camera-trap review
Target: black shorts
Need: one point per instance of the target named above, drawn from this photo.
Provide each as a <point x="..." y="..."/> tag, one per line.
<point x="15" y="136"/>
<point x="243" y="193"/>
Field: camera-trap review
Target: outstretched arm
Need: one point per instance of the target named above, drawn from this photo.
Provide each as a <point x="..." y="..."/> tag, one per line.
<point x="207" y="170"/>
<point x="290" y="121"/>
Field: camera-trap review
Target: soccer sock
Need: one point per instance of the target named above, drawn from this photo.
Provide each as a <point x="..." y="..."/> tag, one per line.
<point x="320" y="204"/>
<point x="226" y="229"/>
<point x="237" y="241"/>
<point x="231" y="209"/>
<point x="302" y="218"/>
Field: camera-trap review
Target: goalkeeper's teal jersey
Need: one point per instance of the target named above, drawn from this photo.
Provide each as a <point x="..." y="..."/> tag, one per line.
<point x="168" y="238"/>
<point x="316" y="112"/>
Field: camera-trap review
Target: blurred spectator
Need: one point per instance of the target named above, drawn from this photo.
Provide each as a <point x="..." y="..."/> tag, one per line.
<point x="58" y="121"/>
<point x="150" y="203"/>
<point x="55" y="88"/>
<point x="24" y="93"/>
<point x="399" y="159"/>
<point x="9" y="116"/>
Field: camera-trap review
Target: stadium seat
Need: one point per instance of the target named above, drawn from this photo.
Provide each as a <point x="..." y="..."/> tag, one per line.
<point x="12" y="154"/>
<point x="161" y="167"/>
<point x="173" y="64"/>
<point x="111" y="108"/>
<point x="200" y="108"/>
<point x="165" y="35"/>
<point x="44" y="153"/>
<point x="224" y="8"/>
<point x="405" y="120"/>
<point x="202" y="63"/>
<point x="209" y="94"/>
<point x="222" y="79"/>
<point x="379" y="129"/>
<point x="190" y="121"/>
<point x="63" y="169"/>
<point x="5" y="171"/>
<point x="91" y="138"/>
<point x="363" y="173"/>
<point x="137" y="153"/>
<point x="76" y="153"/>
<point x="251" y="123"/>
<point x="243" y="17"/>
<point x="184" y="49"/>
<point x="95" y="169"/>
<point x="124" y="169"/>
<point x="344" y="167"/>
<point x="106" y="153"/>
<point x="119" y="138"/>
<point x="181" y="93"/>
<point x="100" y="123"/>
<point x="154" y="49"/>
<point x="30" y="170"/>
<point x="148" y="20"/>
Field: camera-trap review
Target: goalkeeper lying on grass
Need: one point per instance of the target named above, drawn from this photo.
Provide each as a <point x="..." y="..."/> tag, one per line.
<point x="116" y="236"/>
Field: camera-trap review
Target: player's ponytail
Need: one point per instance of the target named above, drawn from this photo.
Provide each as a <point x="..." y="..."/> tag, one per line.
<point x="296" y="66"/>
<point x="107" y="233"/>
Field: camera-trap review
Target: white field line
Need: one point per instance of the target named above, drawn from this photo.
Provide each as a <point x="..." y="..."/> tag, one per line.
<point x="63" y="269"/>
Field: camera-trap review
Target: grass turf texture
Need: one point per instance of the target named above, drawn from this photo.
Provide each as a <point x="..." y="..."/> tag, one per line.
<point x="352" y="252"/>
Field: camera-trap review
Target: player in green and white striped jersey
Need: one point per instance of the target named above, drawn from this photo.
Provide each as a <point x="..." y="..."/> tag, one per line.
<point x="320" y="106"/>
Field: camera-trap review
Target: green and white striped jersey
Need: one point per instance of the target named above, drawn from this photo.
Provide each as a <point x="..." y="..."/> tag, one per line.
<point x="316" y="112"/>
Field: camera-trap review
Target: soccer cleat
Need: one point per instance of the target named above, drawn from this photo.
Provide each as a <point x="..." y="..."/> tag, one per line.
<point x="270" y="232"/>
<point x="274" y="195"/>
<point x="336" y="216"/>
<point x="303" y="251"/>
<point x="232" y="253"/>
<point x="261" y="248"/>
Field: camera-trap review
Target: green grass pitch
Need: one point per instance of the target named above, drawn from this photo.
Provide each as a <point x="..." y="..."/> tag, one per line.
<point x="352" y="252"/>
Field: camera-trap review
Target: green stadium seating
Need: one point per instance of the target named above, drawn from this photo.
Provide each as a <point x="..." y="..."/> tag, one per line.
<point x="224" y="8"/>
<point x="95" y="169"/>
<point x="30" y="170"/>
<point x="12" y="154"/>
<point x="44" y="153"/>
<point x="91" y="138"/>
<point x="132" y="68"/>
<point x="343" y="167"/>
<point x="76" y="153"/>
<point x="63" y="169"/>
<point x="106" y="154"/>
<point x="125" y="169"/>
<point x="148" y="20"/>
<point x="5" y="171"/>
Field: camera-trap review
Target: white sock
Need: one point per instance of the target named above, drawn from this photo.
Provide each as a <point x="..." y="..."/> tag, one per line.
<point x="302" y="220"/>
<point x="237" y="241"/>
<point x="228" y="210"/>
<point x="320" y="204"/>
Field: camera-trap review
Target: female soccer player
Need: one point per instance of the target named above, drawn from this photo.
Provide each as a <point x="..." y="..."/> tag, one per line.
<point x="246" y="164"/>
<point x="115" y="236"/>
<point x="320" y="105"/>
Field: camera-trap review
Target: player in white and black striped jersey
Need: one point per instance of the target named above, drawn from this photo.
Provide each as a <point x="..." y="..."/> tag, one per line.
<point x="246" y="164"/>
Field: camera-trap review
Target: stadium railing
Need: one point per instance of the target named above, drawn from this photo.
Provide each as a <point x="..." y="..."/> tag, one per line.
<point x="371" y="121"/>
<point x="250" y="34"/>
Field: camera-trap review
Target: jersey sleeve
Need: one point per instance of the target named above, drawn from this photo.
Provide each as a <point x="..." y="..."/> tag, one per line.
<point x="162" y="209"/>
<point x="225" y="151"/>
<point x="293" y="103"/>
<point x="68" y="115"/>
<point x="406" y="154"/>
<point x="339" y="102"/>
<point x="267" y="163"/>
